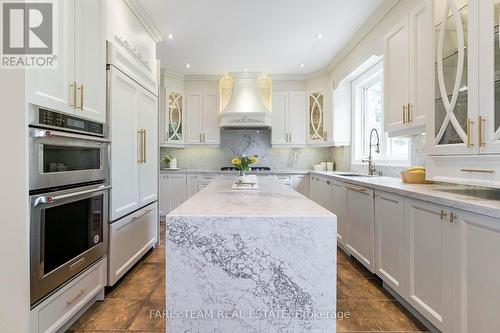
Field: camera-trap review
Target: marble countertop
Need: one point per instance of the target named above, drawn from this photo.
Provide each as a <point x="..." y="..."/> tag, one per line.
<point x="217" y="172"/>
<point x="272" y="199"/>
<point x="478" y="200"/>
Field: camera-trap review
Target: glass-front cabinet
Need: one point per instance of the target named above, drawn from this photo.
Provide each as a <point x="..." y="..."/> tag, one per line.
<point x="316" y="131"/>
<point x="175" y="117"/>
<point x="455" y="100"/>
<point x="489" y="73"/>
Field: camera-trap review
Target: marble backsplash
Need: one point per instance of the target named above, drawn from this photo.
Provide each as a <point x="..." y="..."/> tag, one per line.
<point x="248" y="142"/>
<point x="258" y="142"/>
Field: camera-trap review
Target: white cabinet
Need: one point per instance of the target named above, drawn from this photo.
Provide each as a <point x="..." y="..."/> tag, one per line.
<point x="129" y="239"/>
<point x="339" y="208"/>
<point x="390" y="240"/>
<point x="54" y="312"/>
<point x="162" y="195"/>
<point x="361" y="226"/>
<point x="202" y="117"/>
<point x="407" y="73"/>
<point x="425" y="258"/>
<point x="173" y="191"/>
<point x="289" y="118"/>
<point x="134" y="145"/>
<point x="321" y="192"/>
<point x="285" y="180"/>
<point x="464" y="121"/>
<point x="78" y="85"/>
<point x="475" y="246"/>
<point x="316" y="118"/>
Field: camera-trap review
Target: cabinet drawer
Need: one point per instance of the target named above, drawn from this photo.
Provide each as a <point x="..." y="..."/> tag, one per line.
<point x="480" y="170"/>
<point x="54" y="312"/>
<point x="129" y="239"/>
<point x="286" y="180"/>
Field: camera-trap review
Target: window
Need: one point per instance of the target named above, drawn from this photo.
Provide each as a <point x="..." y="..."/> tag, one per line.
<point x="367" y="94"/>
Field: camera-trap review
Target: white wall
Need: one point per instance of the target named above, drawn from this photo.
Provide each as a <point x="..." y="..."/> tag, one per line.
<point x="14" y="240"/>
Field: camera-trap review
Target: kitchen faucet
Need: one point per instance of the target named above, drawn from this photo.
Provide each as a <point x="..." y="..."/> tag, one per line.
<point x="371" y="163"/>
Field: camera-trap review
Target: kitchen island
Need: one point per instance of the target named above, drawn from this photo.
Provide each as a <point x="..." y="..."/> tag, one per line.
<point x="250" y="261"/>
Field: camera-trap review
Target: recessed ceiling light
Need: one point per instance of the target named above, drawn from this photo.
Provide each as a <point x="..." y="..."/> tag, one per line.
<point x="245" y="70"/>
<point x="301" y="65"/>
<point x="319" y="35"/>
<point x="187" y="65"/>
<point x="170" y="36"/>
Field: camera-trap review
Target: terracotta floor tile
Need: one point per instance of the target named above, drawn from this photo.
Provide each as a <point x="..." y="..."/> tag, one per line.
<point x="149" y="318"/>
<point x="159" y="291"/>
<point x="157" y="255"/>
<point x="114" y="314"/>
<point x="352" y="308"/>
<point x="136" y="288"/>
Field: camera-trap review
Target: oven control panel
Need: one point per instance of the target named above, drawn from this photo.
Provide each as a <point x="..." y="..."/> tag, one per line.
<point x="55" y="119"/>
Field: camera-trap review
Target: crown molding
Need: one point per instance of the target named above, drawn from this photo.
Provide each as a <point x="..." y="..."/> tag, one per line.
<point x="287" y="77"/>
<point x="145" y="19"/>
<point x="374" y="19"/>
<point x="203" y="77"/>
<point x="172" y="75"/>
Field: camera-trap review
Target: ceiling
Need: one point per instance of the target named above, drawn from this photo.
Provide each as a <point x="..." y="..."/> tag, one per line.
<point x="271" y="36"/>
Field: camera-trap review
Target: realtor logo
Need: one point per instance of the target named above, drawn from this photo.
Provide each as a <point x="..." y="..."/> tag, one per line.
<point x="28" y="38"/>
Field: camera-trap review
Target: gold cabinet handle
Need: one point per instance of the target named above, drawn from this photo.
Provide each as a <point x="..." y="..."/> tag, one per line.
<point x="77" y="296"/>
<point x="144" y="143"/>
<point x="478" y="170"/>
<point x="139" y="131"/>
<point x="73" y="92"/>
<point x="442" y="215"/>
<point x="404" y="114"/>
<point x="453" y="217"/>
<point x="355" y="188"/>
<point x="409" y="110"/>
<point x="469" y="133"/>
<point x="481" y="124"/>
<point x="81" y="97"/>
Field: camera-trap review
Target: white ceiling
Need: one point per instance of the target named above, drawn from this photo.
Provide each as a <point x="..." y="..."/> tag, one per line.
<point x="271" y="36"/>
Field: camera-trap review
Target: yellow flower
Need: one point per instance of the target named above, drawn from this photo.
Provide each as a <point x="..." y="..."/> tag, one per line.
<point x="236" y="161"/>
<point x="254" y="159"/>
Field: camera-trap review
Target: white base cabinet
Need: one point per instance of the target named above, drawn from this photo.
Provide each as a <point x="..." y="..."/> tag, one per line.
<point x="301" y="184"/>
<point x="173" y="192"/>
<point x="339" y="208"/>
<point x="361" y="226"/>
<point x="389" y="239"/>
<point x="129" y="239"/>
<point x="53" y="313"/>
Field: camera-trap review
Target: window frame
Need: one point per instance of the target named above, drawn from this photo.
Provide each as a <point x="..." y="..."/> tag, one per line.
<point x="359" y="148"/>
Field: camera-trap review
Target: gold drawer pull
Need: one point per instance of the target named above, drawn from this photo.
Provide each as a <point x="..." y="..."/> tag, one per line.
<point x="73" y="87"/>
<point x="469" y="133"/>
<point x="81" y="97"/>
<point x="442" y="215"/>
<point x="355" y="188"/>
<point x="477" y="170"/>
<point x="77" y="296"/>
<point x="404" y="115"/>
<point x="410" y="109"/>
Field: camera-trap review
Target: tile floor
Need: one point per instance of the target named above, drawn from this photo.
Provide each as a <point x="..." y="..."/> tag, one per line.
<point x="126" y="307"/>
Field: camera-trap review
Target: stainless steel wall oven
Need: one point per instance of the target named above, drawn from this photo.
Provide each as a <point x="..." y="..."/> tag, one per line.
<point x="69" y="190"/>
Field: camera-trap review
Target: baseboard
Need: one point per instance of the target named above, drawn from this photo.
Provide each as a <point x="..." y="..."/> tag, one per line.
<point x="411" y="309"/>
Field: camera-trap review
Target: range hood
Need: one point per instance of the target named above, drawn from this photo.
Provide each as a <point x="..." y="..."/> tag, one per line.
<point x="246" y="108"/>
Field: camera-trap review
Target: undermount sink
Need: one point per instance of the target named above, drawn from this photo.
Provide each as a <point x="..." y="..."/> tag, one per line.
<point x="356" y="175"/>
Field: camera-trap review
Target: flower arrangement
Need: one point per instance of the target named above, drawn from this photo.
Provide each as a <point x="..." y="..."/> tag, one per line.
<point x="243" y="162"/>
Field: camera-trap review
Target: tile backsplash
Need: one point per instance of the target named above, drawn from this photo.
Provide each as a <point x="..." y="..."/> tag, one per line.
<point x="248" y="142"/>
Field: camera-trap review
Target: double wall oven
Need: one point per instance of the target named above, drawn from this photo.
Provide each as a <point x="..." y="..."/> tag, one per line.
<point x="69" y="186"/>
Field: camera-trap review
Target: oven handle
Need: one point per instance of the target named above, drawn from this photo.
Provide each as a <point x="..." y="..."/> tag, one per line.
<point x="37" y="133"/>
<point x="54" y="199"/>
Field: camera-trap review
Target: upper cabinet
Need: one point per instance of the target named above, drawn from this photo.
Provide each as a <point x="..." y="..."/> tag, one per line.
<point x="289" y="118"/>
<point x="316" y="118"/>
<point x="463" y="143"/>
<point x="407" y="71"/>
<point x="175" y="117"/>
<point x="78" y="85"/>
<point x="202" y="114"/>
